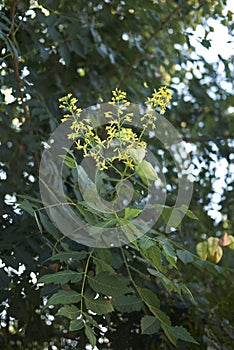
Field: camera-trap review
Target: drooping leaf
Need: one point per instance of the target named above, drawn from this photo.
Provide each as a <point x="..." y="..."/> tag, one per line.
<point x="149" y="325"/>
<point x="185" y="256"/>
<point x="64" y="297"/>
<point x="69" y="161"/>
<point x="161" y="316"/>
<point x="154" y="254"/>
<point x="61" y="277"/>
<point x="48" y="226"/>
<point x="168" y="251"/>
<point x="146" y="172"/>
<point x="76" y="325"/>
<point x="137" y="154"/>
<point x="149" y="297"/>
<point x="102" y="266"/>
<point x="131" y="213"/>
<point x="188" y="212"/>
<point x="182" y="333"/>
<point x="100" y="305"/>
<point x="90" y="335"/>
<point x="108" y="284"/>
<point x="127" y="303"/>
<point x="69" y="311"/>
<point x="27" y="206"/>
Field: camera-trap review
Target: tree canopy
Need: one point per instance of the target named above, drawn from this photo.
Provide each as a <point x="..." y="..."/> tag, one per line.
<point x="157" y="293"/>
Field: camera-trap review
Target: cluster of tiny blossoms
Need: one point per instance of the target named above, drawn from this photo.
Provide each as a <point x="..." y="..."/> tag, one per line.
<point x="158" y="101"/>
<point x="120" y="141"/>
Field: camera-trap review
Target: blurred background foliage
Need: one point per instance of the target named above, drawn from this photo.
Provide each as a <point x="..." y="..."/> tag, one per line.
<point x="50" y="48"/>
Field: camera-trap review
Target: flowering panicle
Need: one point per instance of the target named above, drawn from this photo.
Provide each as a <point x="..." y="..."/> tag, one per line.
<point x="160" y="99"/>
<point x="120" y="143"/>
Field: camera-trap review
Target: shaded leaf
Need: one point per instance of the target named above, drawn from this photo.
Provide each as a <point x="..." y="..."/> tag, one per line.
<point x="127" y="303"/>
<point x="154" y="254"/>
<point x="99" y="305"/>
<point x="69" y="311"/>
<point x="149" y="297"/>
<point x="64" y="297"/>
<point x="185" y="256"/>
<point x="149" y="325"/>
<point x="182" y="333"/>
<point x="90" y="335"/>
<point x="108" y="284"/>
<point x="76" y="325"/>
<point x="61" y="277"/>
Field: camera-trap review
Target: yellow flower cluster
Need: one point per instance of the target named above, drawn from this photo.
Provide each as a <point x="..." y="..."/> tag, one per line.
<point x="120" y="142"/>
<point x="69" y="103"/>
<point x="160" y="99"/>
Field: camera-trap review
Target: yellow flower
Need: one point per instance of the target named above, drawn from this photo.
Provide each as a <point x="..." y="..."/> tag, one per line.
<point x="78" y="145"/>
<point x="103" y="165"/>
<point x="129" y="163"/>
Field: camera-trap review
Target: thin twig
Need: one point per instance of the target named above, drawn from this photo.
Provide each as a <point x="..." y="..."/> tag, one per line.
<point x="157" y="31"/>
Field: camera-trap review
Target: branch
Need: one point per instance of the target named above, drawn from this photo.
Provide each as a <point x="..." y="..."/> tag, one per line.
<point x="157" y="31"/>
<point x="16" y="61"/>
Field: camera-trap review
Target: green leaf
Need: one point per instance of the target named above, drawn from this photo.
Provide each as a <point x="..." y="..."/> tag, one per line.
<point x="131" y="213"/>
<point x="61" y="277"/>
<point x="48" y="226"/>
<point x="137" y="154"/>
<point x="145" y="242"/>
<point x="64" y="297"/>
<point x="185" y="256"/>
<point x="188" y="212"/>
<point x="172" y="216"/>
<point x="149" y="325"/>
<point x="65" y="256"/>
<point x="154" y="254"/>
<point x="149" y="297"/>
<point x="108" y="284"/>
<point x="160" y="276"/>
<point x="169" y="335"/>
<point x="131" y="231"/>
<point x="127" y="303"/>
<point x="161" y="316"/>
<point x="69" y="161"/>
<point x="26" y="206"/>
<point x="100" y="306"/>
<point x="168" y="251"/>
<point x="76" y="325"/>
<point x="29" y="198"/>
<point x="90" y="335"/>
<point x="103" y="266"/>
<point x="182" y="333"/>
<point x="146" y="172"/>
<point x="69" y="311"/>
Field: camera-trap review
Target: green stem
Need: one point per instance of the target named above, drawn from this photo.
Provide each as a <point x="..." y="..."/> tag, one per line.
<point x="84" y="280"/>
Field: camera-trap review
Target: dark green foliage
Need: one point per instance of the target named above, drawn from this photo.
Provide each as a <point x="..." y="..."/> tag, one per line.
<point x="157" y="293"/>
